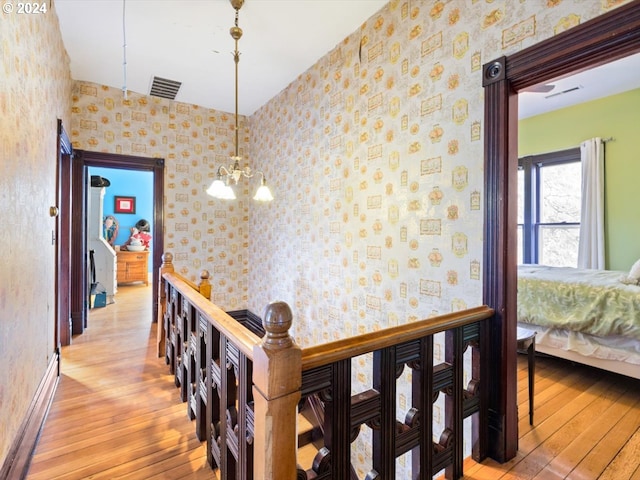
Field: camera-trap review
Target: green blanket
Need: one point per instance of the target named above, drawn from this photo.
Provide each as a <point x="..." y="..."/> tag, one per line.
<point x="587" y="301"/>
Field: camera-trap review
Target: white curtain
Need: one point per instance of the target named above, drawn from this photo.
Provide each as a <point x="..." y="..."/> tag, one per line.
<point x="591" y="244"/>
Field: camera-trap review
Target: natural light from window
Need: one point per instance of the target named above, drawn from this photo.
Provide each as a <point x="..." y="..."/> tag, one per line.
<point x="554" y="210"/>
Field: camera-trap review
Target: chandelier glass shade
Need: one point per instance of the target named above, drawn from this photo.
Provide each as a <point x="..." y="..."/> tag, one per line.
<point x="231" y="175"/>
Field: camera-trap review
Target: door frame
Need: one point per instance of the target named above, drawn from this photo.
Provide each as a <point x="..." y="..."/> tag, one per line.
<point x="606" y="38"/>
<point x="82" y="160"/>
<point x="62" y="326"/>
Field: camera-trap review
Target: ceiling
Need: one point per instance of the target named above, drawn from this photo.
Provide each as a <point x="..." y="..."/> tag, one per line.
<point x="609" y="79"/>
<point x="188" y="41"/>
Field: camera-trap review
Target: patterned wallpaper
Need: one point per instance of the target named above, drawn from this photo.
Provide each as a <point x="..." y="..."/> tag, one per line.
<point x="375" y="157"/>
<point x="200" y="231"/>
<point x="35" y="92"/>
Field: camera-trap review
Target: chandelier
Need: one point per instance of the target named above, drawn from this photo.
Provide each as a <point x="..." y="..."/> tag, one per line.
<point x="227" y="176"/>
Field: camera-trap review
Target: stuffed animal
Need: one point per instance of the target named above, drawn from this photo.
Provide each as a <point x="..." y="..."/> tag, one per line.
<point x="140" y="235"/>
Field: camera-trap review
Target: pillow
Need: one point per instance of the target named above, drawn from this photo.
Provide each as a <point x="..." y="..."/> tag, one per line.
<point x="634" y="275"/>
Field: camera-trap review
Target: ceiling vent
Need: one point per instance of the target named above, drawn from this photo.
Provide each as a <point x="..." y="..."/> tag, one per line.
<point x="568" y="90"/>
<point x="164" y="88"/>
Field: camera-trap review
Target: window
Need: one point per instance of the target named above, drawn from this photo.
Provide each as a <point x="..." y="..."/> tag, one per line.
<point x="549" y="197"/>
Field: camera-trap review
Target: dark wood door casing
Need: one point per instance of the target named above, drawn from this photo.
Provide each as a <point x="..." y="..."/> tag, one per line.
<point x="82" y="160"/>
<point x="62" y="331"/>
<point x="606" y="38"/>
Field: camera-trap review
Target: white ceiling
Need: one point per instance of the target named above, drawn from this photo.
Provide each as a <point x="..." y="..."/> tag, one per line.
<point x="609" y="79"/>
<point x="189" y="41"/>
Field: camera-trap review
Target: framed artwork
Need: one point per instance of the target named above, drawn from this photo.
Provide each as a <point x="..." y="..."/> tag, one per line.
<point x="124" y="205"/>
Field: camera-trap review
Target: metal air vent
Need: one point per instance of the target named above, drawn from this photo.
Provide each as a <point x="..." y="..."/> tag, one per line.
<point x="164" y="88"/>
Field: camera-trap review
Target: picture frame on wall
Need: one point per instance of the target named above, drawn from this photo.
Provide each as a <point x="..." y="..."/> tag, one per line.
<point x="124" y="204"/>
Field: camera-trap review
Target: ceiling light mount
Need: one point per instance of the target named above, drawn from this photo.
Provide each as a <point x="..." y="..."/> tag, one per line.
<point x="227" y="176"/>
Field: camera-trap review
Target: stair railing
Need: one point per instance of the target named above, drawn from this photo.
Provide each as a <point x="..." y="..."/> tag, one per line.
<point x="244" y="390"/>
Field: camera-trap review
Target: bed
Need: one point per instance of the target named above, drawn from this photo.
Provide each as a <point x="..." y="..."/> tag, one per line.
<point x="587" y="316"/>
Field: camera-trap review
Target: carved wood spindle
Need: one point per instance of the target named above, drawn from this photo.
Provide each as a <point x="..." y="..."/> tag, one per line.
<point x="277" y="380"/>
<point x="205" y="285"/>
<point x="167" y="266"/>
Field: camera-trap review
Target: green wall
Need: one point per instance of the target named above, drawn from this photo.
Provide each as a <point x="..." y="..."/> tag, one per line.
<point x="617" y="116"/>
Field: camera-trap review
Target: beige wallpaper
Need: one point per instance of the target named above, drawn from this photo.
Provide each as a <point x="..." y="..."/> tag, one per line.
<point x="375" y="157"/>
<point x="35" y="90"/>
<point x="201" y="232"/>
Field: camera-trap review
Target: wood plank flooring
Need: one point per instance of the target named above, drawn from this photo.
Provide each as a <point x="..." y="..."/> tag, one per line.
<point x="586" y="426"/>
<point x="117" y="413"/>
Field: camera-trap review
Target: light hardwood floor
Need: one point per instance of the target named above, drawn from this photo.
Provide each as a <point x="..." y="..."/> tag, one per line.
<point x="117" y="413"/>
<point x="586" y="426"/>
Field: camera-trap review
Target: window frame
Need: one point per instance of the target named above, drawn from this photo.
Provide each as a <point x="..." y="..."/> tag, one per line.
<point x="531" y="166"/>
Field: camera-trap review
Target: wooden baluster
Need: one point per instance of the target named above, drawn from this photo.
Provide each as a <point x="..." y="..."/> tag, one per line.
<point x="167" y="266"/>
<point x="384" y="437"/>
<point x="422" y="400"/>
<point x="454" y="350"/>
<point x="205" y="285"/>
<point x="277" y="380"/>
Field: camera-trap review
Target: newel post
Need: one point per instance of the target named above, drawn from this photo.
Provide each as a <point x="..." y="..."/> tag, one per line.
<point x="167" y="266"/>
<point x="277" y="380"/>
<point x="204" y="287"/>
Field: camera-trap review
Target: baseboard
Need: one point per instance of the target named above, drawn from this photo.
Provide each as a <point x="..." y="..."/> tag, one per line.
<point x="16" y="464"/>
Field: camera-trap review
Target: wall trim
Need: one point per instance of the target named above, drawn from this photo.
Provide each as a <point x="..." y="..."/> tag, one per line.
<point x="16" y="464"/>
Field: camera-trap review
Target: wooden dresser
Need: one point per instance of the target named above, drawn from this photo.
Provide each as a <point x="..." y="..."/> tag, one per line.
<point x="133" y="267"/>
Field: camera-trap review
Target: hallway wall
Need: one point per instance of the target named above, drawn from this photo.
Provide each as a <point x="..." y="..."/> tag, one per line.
<point x="35" y="93"/>
<point x="200" y="231"/>
<point x="375" y="157"/>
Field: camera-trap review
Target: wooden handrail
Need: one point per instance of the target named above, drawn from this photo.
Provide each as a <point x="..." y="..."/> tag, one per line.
<point x="345" y="348"/>
<point x="244" y="339"/>
<point x="244" y="390"/>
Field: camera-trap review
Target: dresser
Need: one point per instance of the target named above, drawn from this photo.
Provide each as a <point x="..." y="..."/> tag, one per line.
<point x="133" y="267"/>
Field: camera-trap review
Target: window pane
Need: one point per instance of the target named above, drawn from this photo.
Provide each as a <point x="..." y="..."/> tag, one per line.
<point x="560" y="193"/>
<point x="558" y="246"/>
<point x="520" y="195"/>
<point x="520" y="246"/>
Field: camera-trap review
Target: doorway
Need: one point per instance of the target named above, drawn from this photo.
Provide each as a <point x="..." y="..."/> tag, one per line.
<point x="82" y="161"/>
<point x="606" y="38"/>
<point x="122" y="204"/>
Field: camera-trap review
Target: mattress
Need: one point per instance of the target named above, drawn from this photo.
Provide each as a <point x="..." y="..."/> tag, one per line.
<point x="589" y="302"/>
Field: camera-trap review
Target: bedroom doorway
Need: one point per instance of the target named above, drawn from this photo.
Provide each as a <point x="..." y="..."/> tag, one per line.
<point x="126" y="204"/>
<point x="608" y="37"/>
<point x="80" y="256"/>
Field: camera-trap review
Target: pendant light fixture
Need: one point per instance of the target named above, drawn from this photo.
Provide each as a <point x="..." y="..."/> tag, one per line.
<point x="227" y="176"/>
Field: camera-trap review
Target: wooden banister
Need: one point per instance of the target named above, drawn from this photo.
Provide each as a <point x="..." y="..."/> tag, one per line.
<point x="204" y="287"/>
<point x="276" y="391"/>
<point x="244" y="391"/>
<point x="343" y="349"/>
<point x="166" y="267"/>
<point x="245" y="339"/>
